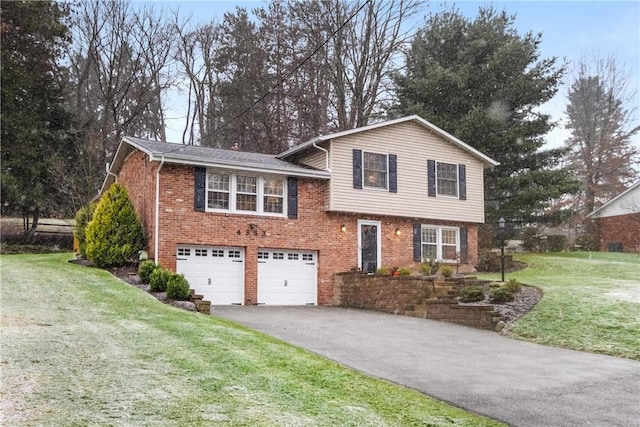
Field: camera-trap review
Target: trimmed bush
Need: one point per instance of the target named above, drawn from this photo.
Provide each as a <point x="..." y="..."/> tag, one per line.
<point x="383" y="271"/>
<point x="114" y="235"/>
<point x="159" y="279"/>
<point x="145" y="269"/>
<point x="472" y="294"/>
<point x="513" y="286"/>
<point x="446" y="271"/>
<point x="429" y="267"/>
<point x="404" y="271"/>
<point x="83" y="217"/>
<point x="177" y="287"/>
<point x="500" y="295"/>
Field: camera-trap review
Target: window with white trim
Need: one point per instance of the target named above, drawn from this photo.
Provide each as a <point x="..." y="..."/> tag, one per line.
<point x="441" y="243"/>
<point x="375" y="170"/>
<point x="447" y="179"/>
<point x="245" y="193"/>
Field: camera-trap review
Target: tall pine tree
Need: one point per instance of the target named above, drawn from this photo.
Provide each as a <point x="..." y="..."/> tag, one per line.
<point x="36" y="145"/>
<point x="482" y="81"/>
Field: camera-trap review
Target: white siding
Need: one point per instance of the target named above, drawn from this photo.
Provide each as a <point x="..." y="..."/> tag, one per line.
<point x="625" y="204"/>
<point x="413" y="146"/>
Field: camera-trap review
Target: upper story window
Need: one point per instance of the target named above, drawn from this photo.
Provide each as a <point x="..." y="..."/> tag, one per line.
<point x="447" y="179"/>
<point x="245" y="193"/>
<point x="374" y="167"/>
<point x="442" y="243"/>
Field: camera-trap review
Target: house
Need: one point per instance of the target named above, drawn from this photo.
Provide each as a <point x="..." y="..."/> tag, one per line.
<point x="618" y="222"/>
<point x="249" y="228"/>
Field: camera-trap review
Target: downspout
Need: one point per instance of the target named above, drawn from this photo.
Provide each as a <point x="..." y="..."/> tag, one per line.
<point x="156" y="230"/>
<point x="326" y="157"/>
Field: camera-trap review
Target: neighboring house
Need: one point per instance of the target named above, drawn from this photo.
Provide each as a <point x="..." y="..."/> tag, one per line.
<point x="618" y="222"/>
<point x="248" y="228"/>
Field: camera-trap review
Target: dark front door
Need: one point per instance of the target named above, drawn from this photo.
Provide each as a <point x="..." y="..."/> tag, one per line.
<point x="369" y="247"/>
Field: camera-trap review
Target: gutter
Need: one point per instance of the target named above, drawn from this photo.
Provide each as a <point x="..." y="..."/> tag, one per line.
<point x="156" y="230"/>
<point x="326" y="156"/>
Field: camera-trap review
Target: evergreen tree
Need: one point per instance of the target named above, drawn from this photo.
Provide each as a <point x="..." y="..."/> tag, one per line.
<point x="36" y="144"/>
<point x="114" y="236"/>
<point x="482" y="82"/>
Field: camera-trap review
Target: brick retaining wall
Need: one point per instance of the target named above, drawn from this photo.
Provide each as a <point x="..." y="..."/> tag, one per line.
<point x="416" y="296"/>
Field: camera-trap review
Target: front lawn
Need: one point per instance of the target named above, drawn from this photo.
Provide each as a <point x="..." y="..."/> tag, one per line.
<point x="80" y="347"/>
<point x="591" y="301"/>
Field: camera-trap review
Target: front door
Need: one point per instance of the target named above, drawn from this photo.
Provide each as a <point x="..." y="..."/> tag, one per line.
<point x="369" y="245"/>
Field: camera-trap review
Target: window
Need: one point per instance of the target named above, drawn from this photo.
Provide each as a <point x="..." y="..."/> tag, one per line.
<point x="263" y="255"/>
<point x="217" y="253"/>
<point x="245" y="193"/>
<point x="447" y="179"/>
<point x="201" y="252"/>
<point x="292" y="257"/>
<point x="184" y="252"/>
<point x="277" y="255"/>
<point x="440" y="243"/>
<point x="273" y="195"/>
<point x="307" y="257"/>
<point x="374" y="167"/>
<point x="218" y="194"/>
<point x="234" y="254"/>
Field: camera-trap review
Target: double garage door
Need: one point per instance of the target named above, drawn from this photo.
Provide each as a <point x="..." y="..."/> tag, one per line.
<point x="284" y="277"/>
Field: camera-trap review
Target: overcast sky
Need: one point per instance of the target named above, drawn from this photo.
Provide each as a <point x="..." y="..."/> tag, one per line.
<point x="570" y="30"/>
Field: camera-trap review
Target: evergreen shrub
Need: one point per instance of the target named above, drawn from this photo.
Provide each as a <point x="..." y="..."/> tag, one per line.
<point x="472" y="294"/>
<point x="178" y="287"/>
<point x="159" y="279"/>
<point x="83" y="217"/>
<point x="500" y="295"/>
<point x="145" y="269"/>
<point x="114" y="235"/>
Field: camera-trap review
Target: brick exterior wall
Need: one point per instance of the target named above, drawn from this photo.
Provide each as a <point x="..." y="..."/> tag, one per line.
<point x="623" y="229"/>
<point x="314" y="230"/>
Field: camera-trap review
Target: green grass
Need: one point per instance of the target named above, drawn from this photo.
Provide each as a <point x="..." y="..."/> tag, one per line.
<point x="80" y="347"/>
<point x="591" y="302"/>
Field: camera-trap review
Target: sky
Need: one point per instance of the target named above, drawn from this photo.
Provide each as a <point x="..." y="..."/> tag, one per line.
<point x="570" y="30"/>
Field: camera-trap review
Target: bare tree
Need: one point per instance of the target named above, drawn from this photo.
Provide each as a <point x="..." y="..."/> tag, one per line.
<point x="119" y="62"/>
<point x="600" y="117"/>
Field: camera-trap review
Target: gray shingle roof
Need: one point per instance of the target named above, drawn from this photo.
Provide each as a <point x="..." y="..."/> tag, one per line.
<point x="205" y="156"/>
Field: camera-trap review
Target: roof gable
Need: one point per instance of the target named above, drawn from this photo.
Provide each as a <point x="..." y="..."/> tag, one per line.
<point x="627" y="202"/>
<point x="486" y="160"/>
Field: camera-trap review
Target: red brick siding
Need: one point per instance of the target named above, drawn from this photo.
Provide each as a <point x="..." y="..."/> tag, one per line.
<point x="620" y="228"/>
<point x="315" y="229"/>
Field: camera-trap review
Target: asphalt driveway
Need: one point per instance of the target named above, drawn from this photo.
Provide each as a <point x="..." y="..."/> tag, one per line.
<point x="520" y="383"/>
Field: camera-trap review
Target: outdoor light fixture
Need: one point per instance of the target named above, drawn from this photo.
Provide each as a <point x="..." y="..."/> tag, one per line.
<point x="343" y="228"/>
<point x="398" y="232"/>
<point x="501" y="223"/>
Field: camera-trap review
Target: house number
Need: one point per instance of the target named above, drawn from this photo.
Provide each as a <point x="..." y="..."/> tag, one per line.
<point x="256" y="233"/>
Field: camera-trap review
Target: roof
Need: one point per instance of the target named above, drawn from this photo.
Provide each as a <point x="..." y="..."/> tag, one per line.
<point x="598" y="212"/>
<point x="489" y="162"/>
<point x="208" y="157"/>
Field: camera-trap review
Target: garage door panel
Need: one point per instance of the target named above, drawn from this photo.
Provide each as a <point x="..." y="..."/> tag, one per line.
<point x="287" y="277"/>
<point x="216" y="273"/>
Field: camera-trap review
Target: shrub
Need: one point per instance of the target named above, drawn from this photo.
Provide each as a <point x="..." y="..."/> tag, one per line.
<point x="177" y="287"/>
<point x="145" y="269"/>
<point x="472" y="294"/>
<point x="404" y="271"/>
<point x="500" y="295"/>
<point x="114" y="235"/>
<point x="513" y="286"/>
<point x="446" y="271"/>
<point x="429" y="267"/>
<point x="83" y="217"/>
<point x="159" y="279"/>
<point x="495" y="285"/>
<point x="383" y="271"/>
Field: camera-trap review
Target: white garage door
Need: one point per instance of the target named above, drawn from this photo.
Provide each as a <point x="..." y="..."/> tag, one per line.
<point x="216" y="273"/>
<point x="287" y="277"/>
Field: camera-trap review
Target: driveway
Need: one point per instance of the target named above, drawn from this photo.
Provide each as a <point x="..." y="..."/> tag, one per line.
<point x="519" y="383"/>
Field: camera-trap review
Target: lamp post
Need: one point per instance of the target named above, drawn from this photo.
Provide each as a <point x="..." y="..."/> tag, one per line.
<point x="501" y="222"/>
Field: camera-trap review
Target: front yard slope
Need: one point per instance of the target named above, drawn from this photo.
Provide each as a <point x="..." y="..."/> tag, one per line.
<point x="591" y="302"/>
<point x="80" y="347"/>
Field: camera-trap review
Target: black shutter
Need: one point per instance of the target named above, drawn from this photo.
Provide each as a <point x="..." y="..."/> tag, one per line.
<point x="417" y="242"/>
<point x="393" y="173"/>
<point x="464" y="245"/>
<point x="200" y="178"/>
<point x="292" y="197"/>
<point x="431" y="178"/>
<point x="357" y="169"/>
<point x="462" y="181"/>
